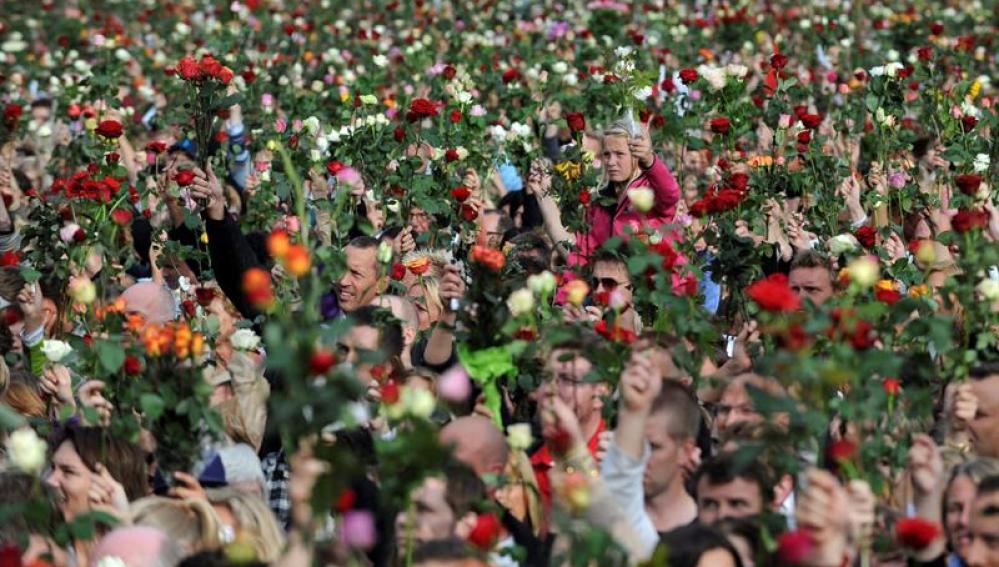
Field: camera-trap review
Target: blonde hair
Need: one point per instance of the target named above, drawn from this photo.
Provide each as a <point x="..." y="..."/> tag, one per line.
<point x="256" y="521"/>
<point x="192" y="524"/>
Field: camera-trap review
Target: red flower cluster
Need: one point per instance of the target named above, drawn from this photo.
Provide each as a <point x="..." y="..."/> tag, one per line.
<point x="795" y="547"/>
<point x="82" y="186"/>
<point x="576" y="121"/>
<point x="720" y="125"/>
<point x="486" y="531"/>
<point x="421" y="108"/>
<point x="11" y="114"/>
<point x="208" y="68"/>
<point x="725" y="199"/>
<point x="688" y="76"/>
<point x="845" y="326"/>
<point x="773" y="293"/>
<point x="111" y="129"/>
<point x="488" y="257"/>
<point x="866" y="235"/>
<point x="460" y="193"/>
<point x="968" y="183"/>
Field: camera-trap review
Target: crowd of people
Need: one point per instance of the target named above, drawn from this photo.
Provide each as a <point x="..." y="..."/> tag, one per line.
<point x="499" y="282"/>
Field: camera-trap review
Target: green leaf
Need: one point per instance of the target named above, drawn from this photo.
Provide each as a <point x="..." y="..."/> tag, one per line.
<point x="30" y="274"/>
<point x="111" y="355"/>
<point x="152" y="405"/>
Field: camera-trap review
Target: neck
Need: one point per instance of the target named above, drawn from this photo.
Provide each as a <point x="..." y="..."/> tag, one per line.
<point x="590" y="426"/>
<point x="672" y="507"/>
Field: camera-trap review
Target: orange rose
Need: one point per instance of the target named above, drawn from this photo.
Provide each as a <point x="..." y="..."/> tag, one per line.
<point x="418" y="266"/>
<point x="297" y="261"/>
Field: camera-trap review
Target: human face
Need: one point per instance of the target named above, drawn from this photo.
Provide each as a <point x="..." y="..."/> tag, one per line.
<point x="569" y="381"/>
<point x="734" y="408"/>
<point x="985" y="426"/>
<point x="663" y="468"/>
<point x="814" y="284"/>
<point x="612" y="277"/>
<point x="490" y="230"/>
<point x="983" y="548"/>
<point x="718" y="557"/>
<point x="617" y="159"/>
<point x="957" y="512"/>
<point x="358" y="342"/>
<point x="737" y="499"/>
<point x="359" y="283"/>
<point x="71" y="480"/>
<point x="426" y="313"/>
<point x="431" y="517"/>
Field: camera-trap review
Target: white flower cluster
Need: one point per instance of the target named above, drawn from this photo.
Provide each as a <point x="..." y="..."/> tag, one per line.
<point x="887" y="70"/>
<point x="717" y="77"/>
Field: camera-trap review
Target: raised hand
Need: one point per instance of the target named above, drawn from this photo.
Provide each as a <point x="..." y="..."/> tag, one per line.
<point x="106" y="493"/>
<point x="452" y="285"/>
<point x="926" y="466"/>
<point x="55" y="382"/>
<point x="29" y="299"/>
<point x="186" y="487"/>
<point x="641" y="149"/>
<point x="640" y="384"/>
<point x="207" y="188"/>
<point x="823" y="511"/>
<point x="92" y="396"/>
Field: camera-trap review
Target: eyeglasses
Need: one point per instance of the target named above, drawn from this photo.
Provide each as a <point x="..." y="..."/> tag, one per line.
<point x="610" y="284"/>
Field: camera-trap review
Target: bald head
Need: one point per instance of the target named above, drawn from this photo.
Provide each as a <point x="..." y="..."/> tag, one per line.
<point x="477" y="442"/>
<point x="153" y="301"/>
<point x="137" y="546"/>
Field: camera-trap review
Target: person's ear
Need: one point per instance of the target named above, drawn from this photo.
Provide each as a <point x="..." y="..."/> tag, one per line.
<point x="50" y="312"/>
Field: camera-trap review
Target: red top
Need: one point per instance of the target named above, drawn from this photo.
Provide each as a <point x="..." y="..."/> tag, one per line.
<point x="604" y="224"/>
<point x="542" y="461"/>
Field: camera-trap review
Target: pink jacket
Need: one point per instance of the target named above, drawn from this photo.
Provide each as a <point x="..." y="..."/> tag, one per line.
<point x="605" y="224"/>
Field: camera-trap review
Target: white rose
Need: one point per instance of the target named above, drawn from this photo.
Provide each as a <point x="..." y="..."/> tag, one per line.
<point x="122" y="54"/>
<point x="498" y="133"/>
<point x="643" y="93"/>
<point x="989" y="288"/>
<point x="864" y="271"/>
<point x="111" y="561"/>
<point x="642" y="198"/>
<point x="244" y="339"/>
<point x="44" y="131"/>
<point x="715" y="76"/>
<point x="518" y="130"/>
<point x="518" y="436"/>
<point x="735" y="70"/>
<point x="622" y="51"/>
<point x="380" y="60"/>
<point x="417" y="402"/>
<point x="542" y="284"/>
<point x="311" y="125"/>
<point x="570" y="79"/>
<point x="842" y="244"/>
<point x="26" y="451"/>
<point x="56" y="350"/>
<point x="384" y="252"/>
<point x="981" y="162"/>
<point x="520" y="302"/>
<point x="560" y="67"/>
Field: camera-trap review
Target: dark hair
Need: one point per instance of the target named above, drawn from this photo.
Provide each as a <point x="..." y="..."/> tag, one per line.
<point x="15" y="488"/>
<point x="679" y="404"/>
<point x="444" y="550"/>
<point x="984" y="370"/>
<point x="364" y="242"/>
<point x="531" y="252"/>
<point x="749" y="529"/>
<point x="465" y="490"/>
<point x="216" y="558"/>
<point x="685" y="545"/>
<point x="726" y="467"/>
<point x="520" y="200"/>
<point x="389" y="330"/>
<point x="988" y="485"/>
<point x="124" y="460"/>
<point x="609" y="257"/>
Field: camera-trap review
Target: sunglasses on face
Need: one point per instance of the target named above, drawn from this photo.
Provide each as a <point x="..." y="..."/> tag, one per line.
<point x="610" y="284"/>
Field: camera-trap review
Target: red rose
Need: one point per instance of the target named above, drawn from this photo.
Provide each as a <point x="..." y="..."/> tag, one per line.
<point x="121" y="217"/>
<point x="449" y="72"/>
<point x="892" y="386"/>
<point x="334" y="167"/>
<point x="345" y="501"/>
<point x="888" y="296"/>
<point x="778" y="61"/>
<point x="455" y="116"/>
<point x="966" y="220"/>
<point x="489" y="257"/>
<point x="460" y="194"/>
<point x="811" y="121"/>
<point x="110" y="129"/>
<point x="616" y="333"/>
<point x="585" y="197"/>
<point x="726" y="200"/>
<point x="451" y="155"/>
<point x="916" y="533"/>
<point x="12" y="113"/>
<point x="968" y="183"/>
<point x="156" y="147"/>
<point x="486" y="531"/>
<point x="738" y="181"/>
<point x="795" y="547"/>
<point x="720" y="125"/>
<point x="79" y="235"/>
<point x="398" y="271"/>
<point x="132" y="365"/>
<point x="576" y="121"/>
<point x="925" y="53"/>
<point x="248" y="76"/>
<point x="189" y="69"/>
<point x="469" y="213"/>
<point x="842" y="450"/>
<point x="321" y="361"/>
<point x="12" y="315"/>
<point x="866" y="235"/>
<point x="421" y="108"/>
<point x="390" y="392"/>
<point x="863" y="335"/>
<point x="399" y="134"/>
<point x="773" y="293"/>
<point x="225" y="75"/>
<point x="189" y="308"/>
<point x="184" y="177"/>
<point x="688" y="76"/>
<point x="936" y="28"/>
<point x="204" y="295"/>
<point x="210" y="66"/>
<point x="510" y="75"/>
<point x="804" y="137"/>
<point x="10" y="258"/>
<point x="968" y="122"/>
